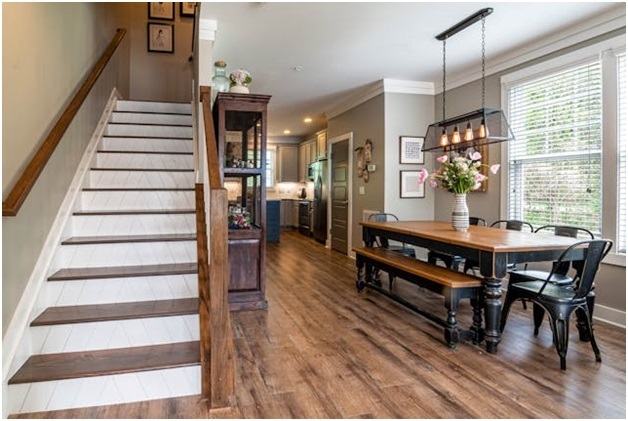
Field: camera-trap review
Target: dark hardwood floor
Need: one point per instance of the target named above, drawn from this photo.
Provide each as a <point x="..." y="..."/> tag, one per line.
<point x="321" y="350"/>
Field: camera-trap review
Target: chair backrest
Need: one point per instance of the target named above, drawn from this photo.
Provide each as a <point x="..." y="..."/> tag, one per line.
<point x="595" y="251"/>
<point x="567" y="231"/>
<point x="477" y="221"/>
<point x="383" y="217"/>
<point x="513" y="224"/>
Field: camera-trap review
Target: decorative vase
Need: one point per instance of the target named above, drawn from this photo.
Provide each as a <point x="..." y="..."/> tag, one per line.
<point x="220" y="81"/>
<point x="239" y="89"/>
<point x="460" y="213"/>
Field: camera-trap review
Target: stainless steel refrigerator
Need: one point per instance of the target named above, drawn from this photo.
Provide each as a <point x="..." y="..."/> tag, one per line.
<point x="319" y="205"/>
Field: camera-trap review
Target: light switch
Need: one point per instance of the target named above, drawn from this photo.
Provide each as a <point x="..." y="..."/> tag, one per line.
<point x="361" y="190"/>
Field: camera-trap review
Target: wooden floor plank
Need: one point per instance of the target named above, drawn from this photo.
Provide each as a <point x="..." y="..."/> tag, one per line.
<point x="322" y="350"/>
<point x="119" y="311"/>
<point x="71" y="365"/>
<point x="76" y="274"/>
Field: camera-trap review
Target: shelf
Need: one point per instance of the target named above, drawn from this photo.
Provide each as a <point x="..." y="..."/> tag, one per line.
<point x="241" y="172"/>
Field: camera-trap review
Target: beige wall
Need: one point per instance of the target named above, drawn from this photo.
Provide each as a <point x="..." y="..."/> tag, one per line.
<point x="159" y="76"/>
<point x="366" y="121"/>
<point x="611" y="281"/>
<point x="47" y="48"/>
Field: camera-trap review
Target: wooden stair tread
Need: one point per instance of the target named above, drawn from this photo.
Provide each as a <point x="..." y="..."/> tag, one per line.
<point x="96" y="189"/>
<point x="135" y="212"/>
<point x="108" y="239"/>
<point x="72" y="365"/>
<point x="118" y="311"/>
<point x="145" y="152"/>
<point x="144" y="169"/>
<point x="76" y="274"/>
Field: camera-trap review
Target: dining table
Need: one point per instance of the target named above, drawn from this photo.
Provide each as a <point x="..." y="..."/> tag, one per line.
<point x="493" y="249"/>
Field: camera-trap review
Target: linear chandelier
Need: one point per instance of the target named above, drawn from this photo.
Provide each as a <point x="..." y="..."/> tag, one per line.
<point x="473" y="129"/>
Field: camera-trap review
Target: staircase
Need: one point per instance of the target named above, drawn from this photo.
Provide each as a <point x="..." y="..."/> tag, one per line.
<point x="121" y="310"/>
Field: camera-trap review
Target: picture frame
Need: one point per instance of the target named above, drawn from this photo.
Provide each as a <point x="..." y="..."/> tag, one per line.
<point x="160" y="37"/>
<point x="410" y="150"/>
<point x="187" y="9"/>
<point x="409" y="185"/>
<point x="161" y="10"/>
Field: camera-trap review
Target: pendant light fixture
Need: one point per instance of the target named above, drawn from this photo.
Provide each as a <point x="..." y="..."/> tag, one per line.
<point x="483" y="126"/>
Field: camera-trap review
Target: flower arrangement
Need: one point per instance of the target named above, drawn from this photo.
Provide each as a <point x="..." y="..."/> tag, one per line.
<point x="240" y="77"/>
<point x="239" y="219"/>
<point x="458" y="175"/>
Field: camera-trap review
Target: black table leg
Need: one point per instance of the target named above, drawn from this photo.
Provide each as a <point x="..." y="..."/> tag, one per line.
<point x="492" y="312"/>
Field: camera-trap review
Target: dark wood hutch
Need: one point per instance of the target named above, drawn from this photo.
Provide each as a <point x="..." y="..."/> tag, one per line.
<point x="241" y="132"/>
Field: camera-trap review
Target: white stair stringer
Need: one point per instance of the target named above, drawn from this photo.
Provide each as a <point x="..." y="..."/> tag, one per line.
<point x="124" y="182"/>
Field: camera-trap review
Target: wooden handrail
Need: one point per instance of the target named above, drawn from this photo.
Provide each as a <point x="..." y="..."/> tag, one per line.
<point x="18" y="194"/>
<point x="217" y="350"/>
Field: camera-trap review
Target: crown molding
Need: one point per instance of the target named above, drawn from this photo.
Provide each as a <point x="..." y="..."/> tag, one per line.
<point x="376" y="88"/>
<point x="607" y="22"/>
<point x="207" y="29"/>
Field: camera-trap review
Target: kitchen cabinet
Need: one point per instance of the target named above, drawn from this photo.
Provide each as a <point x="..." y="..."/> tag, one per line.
<point x="286" y="213"/>
<point x="240" y="125"/>
<point x="321" y="144"/>
<point x="287" y="159"/>
<point x="295" y="214"/>
<point x="273" y="217"/>
<point x="307" y="154"/>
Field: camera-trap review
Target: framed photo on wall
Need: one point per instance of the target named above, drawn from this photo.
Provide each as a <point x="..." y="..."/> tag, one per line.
<point x="410" y="150"/>
<point x="409" y="185"/>
<point x="160" y="37"/>
<point x="187" y="9"/>
<point x="161" y="10"/>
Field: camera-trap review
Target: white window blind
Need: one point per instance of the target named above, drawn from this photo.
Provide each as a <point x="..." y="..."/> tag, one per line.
<point x="621" y="148"/>
<point x="555" y="170"/>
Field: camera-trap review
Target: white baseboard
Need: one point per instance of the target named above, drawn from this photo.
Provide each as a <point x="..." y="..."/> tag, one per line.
<point x="610" y="315"/>
<point x="16" y="343"/>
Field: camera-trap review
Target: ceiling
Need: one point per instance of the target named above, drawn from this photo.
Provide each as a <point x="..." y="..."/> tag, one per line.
<point x="312" y="56"/>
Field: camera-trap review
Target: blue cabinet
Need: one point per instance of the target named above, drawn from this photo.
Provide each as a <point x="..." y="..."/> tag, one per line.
<point x="273" y="218"/>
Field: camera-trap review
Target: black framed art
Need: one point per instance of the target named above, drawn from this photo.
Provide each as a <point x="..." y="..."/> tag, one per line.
<point x="160" y="37"/>
<point x="161" y="10"/>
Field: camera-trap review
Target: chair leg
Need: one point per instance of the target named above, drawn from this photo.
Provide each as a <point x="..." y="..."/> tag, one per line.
<point x="591" y="336"/>
<point x="538" y="313"/>
<point x="505" y="310"/>
<point x="559" y="319"/>
<point x="582" y="321"/>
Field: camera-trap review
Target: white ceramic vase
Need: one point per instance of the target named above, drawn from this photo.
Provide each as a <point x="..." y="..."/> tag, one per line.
<point x="460" y="213"/>
<point x="239" y="89"/>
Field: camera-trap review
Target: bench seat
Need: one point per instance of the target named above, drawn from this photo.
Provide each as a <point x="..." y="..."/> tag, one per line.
<point x="453" y="285"/>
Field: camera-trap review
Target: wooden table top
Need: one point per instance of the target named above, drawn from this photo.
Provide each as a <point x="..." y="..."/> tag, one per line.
<point x="481" y="238"/>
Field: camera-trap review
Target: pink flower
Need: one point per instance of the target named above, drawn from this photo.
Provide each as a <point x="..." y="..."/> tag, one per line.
<point x="475" y="156"/>
<point x="442" y="159"/>
<point x="433" y="184"/>
<point x="423" y="176"/>
<point x="477" y="186"/>
<point x="479" y="177"/>
<point x="495" y="168"/>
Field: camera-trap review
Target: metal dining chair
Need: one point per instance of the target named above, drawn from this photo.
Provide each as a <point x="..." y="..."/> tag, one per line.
<point x="560" y="301"/>
<point x="451" y="261"/>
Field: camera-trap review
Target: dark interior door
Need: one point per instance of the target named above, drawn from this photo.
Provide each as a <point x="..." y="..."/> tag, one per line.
<point x="340" y="196"/>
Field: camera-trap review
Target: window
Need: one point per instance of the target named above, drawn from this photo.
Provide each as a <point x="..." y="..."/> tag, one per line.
<point x="554" y="163"/>
<point x="270" y="166"/>
<point x="621" y="153"/>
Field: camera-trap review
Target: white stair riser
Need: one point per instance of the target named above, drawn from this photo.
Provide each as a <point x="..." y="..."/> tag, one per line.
<point x="150" y="118"/>
<point x="121" y="290"/>
<point x="137" y="200"/>
<point x="156" y="107"/>
<point x="115" y="334"/>
<point x="141" y="179"/>
<point x="146" y="144"/>
<point x="124" y="254"/>
<point x="136" y="160"/>
<point x="105" y="390"/>
<point x="147" y="131"/>
<point x="87" y="226"/>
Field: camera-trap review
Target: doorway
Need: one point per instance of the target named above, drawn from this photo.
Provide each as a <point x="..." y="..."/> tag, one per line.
<point x="340" y="193"/>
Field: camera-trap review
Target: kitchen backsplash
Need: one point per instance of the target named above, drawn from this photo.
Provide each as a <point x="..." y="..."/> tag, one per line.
<point x="290" y="191"/>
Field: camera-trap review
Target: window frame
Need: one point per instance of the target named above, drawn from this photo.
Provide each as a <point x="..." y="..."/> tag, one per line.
<point x="605" y="51"/>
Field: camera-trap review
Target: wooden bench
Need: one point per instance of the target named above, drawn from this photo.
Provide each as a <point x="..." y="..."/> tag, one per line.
<point x="453" y="285"/>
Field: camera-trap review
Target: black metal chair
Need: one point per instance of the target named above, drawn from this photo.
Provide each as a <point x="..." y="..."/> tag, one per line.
<point x="560" y="276"/>
<point x="560" y="301"/>
<point x="451" y="261"/>
<point x="383" y="242"/>
<point x="509" y="224"/>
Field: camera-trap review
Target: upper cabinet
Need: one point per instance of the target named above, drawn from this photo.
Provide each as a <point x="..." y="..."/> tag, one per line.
<point x="321" y="144"/>
<point x="287" y="159"/>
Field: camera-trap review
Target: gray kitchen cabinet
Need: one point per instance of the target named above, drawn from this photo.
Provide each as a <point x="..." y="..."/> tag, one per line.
<point x="287" y="213"/>
<point x="321" y="144"/>
<point x="288" y="158"/>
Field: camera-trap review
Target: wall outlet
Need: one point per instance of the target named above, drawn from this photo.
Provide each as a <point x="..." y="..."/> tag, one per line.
<point x="361" y="190"/>
<point x="371" y="167"/>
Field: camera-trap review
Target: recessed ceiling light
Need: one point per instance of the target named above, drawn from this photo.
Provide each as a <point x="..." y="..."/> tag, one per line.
<point x="286" y="131"/>
<point x="307" y="120"/>
<point x="297" y="68"/>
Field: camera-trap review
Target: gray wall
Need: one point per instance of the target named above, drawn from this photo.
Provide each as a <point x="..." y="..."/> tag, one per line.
<point x="159" y="76"/>
<point x="366" y="121"/>
<point x="47" y="48"/>
<point x="406" y="115"/>
<point x="611" y="281"/>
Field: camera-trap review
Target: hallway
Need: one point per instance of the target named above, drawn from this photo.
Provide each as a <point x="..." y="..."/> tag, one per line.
<point x="323" y="351"/>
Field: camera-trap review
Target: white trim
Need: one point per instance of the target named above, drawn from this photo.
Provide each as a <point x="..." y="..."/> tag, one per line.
<point x="610" y="315"/>
<point x="597" y="26"/>
<point x="374" y="89"/>
<point x="349" y="137"/>
<point x="207" y="29"/>
<point x="615" y="259"/>
<point x="18" y="326"/>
